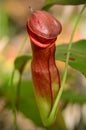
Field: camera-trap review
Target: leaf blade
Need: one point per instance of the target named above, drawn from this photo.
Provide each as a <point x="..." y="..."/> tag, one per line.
<point x="73" y="97"/>
<point x="77" y="58"/>
<point x="21" y="61"/>
<point x="50" y="3"/>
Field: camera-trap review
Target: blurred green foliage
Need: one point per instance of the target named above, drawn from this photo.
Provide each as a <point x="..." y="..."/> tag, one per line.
<point x="4" y="25"/>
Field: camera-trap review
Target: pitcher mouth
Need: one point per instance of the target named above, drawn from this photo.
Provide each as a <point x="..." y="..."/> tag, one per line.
<point x="41" y="41"/>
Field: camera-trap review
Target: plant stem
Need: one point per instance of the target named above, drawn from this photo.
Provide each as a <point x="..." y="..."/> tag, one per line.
<point x="22" y="46"/>
<point x="19" y="82"/>
<point x="54" y="109"/>
<point x="14" y="96"/>
<point x="18" y="92"/>
<point x="13" y="103"/>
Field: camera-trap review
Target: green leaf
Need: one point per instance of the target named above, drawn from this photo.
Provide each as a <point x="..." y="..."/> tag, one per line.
<point x="48" y="6"/>
<point x="27" y="103"/>
<point x="71" y="96"/>
<point x="77" y="58"/>
<point x="50" y="3"/>
<point x="21" y="61"/>
<point x="65" y="2"/>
